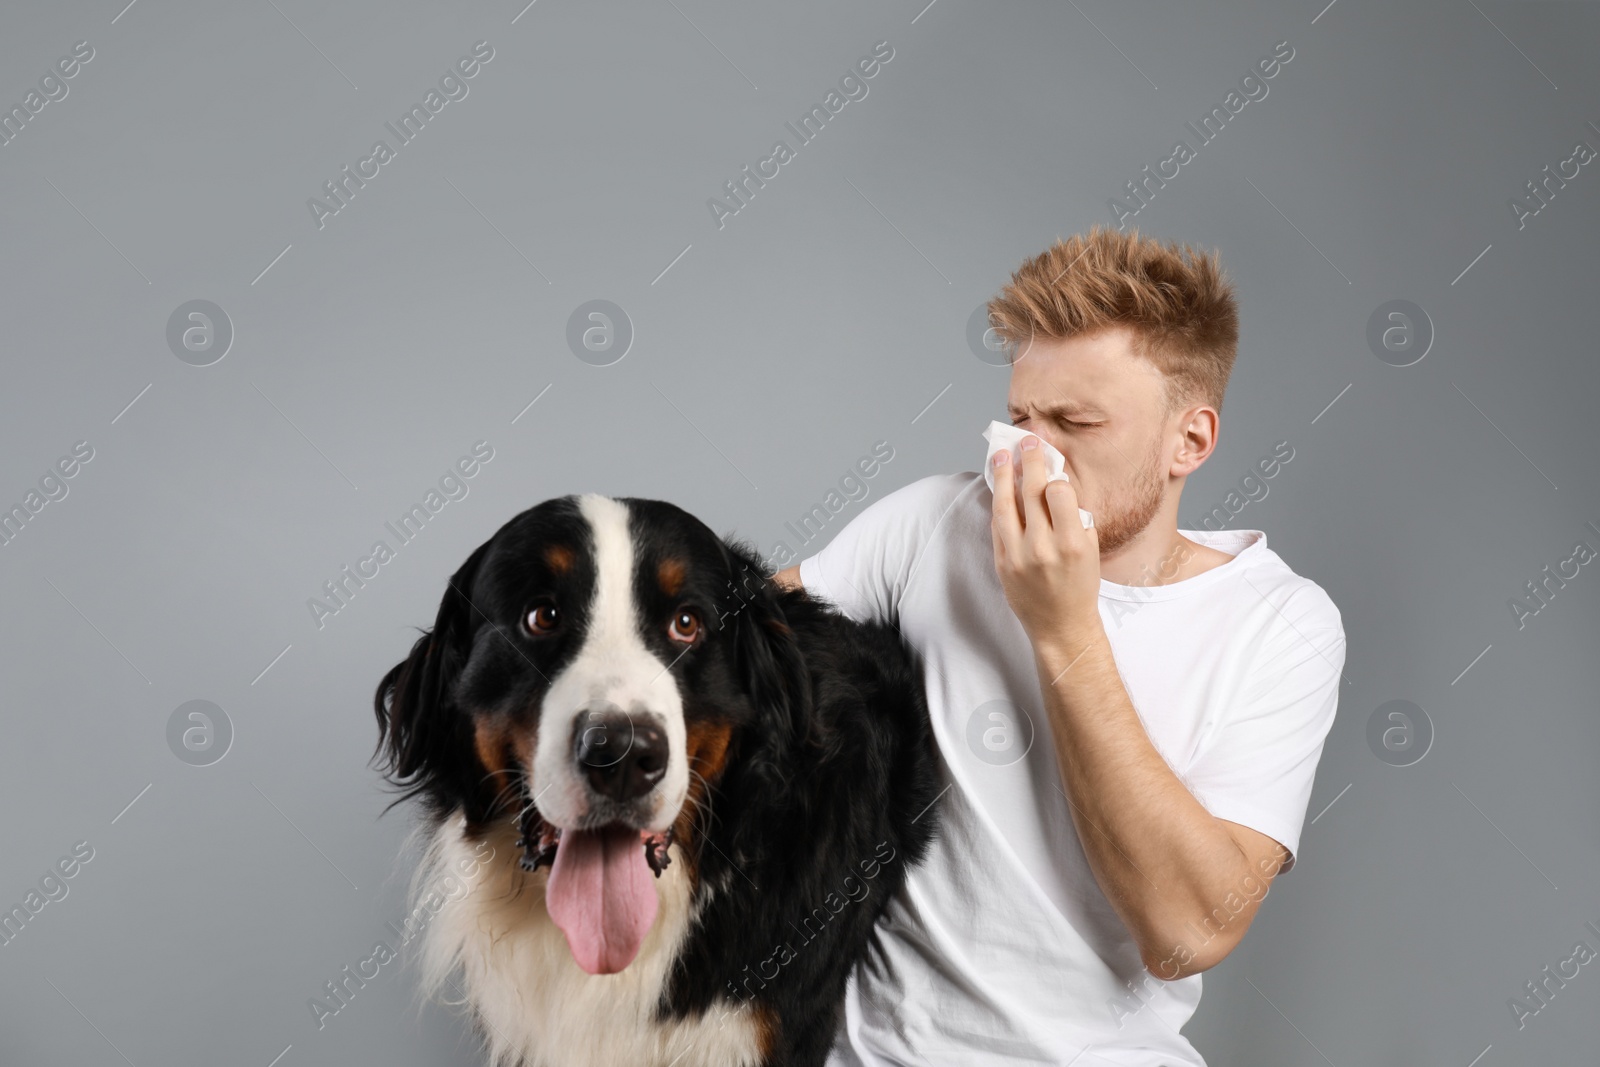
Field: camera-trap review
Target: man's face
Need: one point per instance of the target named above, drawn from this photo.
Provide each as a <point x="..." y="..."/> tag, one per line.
<point x="1102" y="408"/>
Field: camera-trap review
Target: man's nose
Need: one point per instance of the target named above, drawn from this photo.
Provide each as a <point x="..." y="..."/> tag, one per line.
<point x="622" y="756"/>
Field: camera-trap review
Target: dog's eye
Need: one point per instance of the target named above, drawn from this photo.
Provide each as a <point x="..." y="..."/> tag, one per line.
<point x="685" y="626"/>
<point x="541" y="620"/>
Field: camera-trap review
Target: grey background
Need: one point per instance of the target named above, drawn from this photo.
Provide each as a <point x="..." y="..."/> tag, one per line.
<point x="829" y="314"/>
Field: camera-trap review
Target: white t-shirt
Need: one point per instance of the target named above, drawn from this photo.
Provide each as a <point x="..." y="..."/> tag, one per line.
<point x="1002" y="948"/>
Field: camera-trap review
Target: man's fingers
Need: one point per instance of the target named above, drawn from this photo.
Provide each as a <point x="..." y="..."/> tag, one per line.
<point x="995" y="536"/>
<point x="1007" y="525"/>
<point x="1063" y="505"/>
<point x="1036" y="515"/>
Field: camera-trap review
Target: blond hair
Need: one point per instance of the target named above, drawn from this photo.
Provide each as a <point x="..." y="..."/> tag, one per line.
<point x="1176" y="301"/>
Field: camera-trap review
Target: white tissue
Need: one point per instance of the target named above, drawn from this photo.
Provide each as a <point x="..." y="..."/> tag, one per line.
<point x="1002" y="435"/>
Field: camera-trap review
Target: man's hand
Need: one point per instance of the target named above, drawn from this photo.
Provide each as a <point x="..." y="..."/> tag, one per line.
<point x="1164" y="862"/>
<point x="1048" y="564"/>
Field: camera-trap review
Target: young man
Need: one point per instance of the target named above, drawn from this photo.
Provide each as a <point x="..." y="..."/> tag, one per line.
<point x="1129" y="716"/>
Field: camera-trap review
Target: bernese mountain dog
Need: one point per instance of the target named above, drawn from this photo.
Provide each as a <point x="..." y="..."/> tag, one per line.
<point x="696" y="791"/>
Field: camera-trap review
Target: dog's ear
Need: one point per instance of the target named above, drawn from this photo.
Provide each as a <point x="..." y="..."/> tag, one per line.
<point x="413" y="703"/>
<point x="771" y="666"/>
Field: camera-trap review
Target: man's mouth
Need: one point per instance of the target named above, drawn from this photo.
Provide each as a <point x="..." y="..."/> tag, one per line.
<point x="599" y="892"/>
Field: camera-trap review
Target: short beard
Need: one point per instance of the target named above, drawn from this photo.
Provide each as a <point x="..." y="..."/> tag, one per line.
<point x="1134" y="508"/>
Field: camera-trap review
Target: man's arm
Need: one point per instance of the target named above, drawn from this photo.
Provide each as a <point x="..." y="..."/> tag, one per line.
<point x="789" y="577"/>
<point x="1186" y="883"/>
<point x="1180" y="878"/>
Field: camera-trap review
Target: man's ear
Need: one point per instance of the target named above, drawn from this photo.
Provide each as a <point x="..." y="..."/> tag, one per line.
<point x="414" y="703"/>
<point x="770" y="666"/>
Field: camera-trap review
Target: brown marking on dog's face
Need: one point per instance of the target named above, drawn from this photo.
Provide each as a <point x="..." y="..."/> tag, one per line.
<point x="492" y="740"/>
<point x="524" y="744"/>
<point x="506" y="751"/>
<point x="670" y="576"/>
<point x="560" y="557"/>
<point x="707" y="747"/>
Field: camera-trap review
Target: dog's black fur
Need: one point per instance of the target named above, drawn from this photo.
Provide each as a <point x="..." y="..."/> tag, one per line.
<point x="829" y="770"/>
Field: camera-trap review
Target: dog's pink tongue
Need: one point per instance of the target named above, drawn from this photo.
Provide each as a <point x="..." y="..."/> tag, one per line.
<point x="602" y="896"/>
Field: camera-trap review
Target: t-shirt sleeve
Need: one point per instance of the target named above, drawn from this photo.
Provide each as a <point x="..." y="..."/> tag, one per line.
<point x="864" y="569"/>
<point x="1258" y="767"/>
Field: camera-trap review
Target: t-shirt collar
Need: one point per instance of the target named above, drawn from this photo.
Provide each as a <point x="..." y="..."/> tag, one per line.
<point x="1245" y="546"/>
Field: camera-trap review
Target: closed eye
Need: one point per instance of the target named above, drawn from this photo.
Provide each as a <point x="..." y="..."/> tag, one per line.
<point x="1064" y="422"/>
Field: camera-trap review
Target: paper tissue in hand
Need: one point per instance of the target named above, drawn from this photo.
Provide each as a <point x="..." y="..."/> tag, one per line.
<point x="1001" y="435"/>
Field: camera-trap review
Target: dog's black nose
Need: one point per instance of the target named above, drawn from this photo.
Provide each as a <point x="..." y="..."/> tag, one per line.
<point x="623" y="756"/>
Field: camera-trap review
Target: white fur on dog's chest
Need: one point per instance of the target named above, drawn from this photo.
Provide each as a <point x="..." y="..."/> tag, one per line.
<point x="537" y="1006"/>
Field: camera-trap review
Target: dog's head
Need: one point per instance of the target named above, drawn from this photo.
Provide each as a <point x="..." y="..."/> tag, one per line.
<point x="593" y="669"/>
